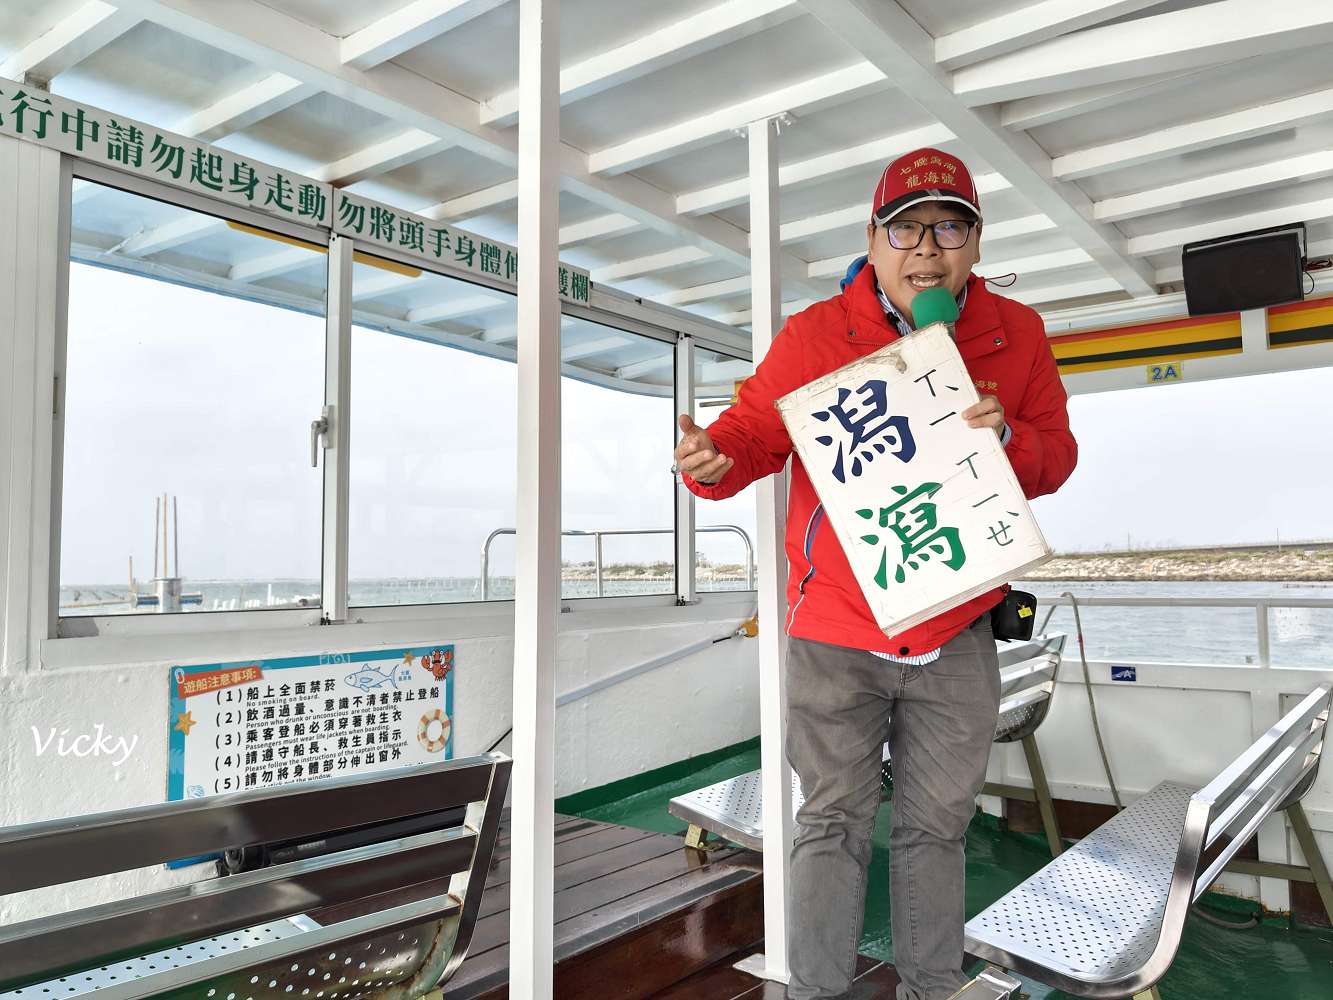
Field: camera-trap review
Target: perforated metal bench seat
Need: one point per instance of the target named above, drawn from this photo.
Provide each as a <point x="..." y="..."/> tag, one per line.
<point x="734" y="808"/>
<point x="1105" y="918"/>
<point x="1094" y="913"/>
<point x="323" y="926"/>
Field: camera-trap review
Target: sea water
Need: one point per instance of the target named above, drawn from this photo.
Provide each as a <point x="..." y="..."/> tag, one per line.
<point x="1298" y="637"/>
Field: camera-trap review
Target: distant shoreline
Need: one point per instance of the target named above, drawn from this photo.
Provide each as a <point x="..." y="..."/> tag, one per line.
<point x="1268" y="564"/>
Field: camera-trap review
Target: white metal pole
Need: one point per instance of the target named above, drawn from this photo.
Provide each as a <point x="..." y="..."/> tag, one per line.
<point x="537" y="573"/>
<point x="338" y="406"/>
<point x="685" y="510"/>
<point x="772" y="522"/>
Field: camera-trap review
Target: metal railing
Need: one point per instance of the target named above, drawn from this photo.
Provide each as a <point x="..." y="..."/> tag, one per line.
<point x="1260" y="606"/>
<point x="597" y="537"/>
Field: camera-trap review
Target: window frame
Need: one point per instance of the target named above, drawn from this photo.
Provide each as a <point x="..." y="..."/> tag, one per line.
<point x="608" y="307"/>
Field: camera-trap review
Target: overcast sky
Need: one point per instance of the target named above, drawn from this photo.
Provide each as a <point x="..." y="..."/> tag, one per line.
<point x="211" y="399"/>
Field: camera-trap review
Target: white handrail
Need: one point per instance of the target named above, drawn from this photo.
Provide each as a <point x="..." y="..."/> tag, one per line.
<point x="597" y="537"/>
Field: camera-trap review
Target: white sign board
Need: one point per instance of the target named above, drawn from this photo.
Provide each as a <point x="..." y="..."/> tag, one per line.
<point x="927" y="509"/>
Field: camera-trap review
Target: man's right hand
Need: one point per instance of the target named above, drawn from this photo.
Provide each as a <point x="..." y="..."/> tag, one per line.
<point x="696" y="454"/>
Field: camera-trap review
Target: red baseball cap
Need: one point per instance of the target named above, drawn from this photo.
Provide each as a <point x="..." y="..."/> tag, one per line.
<point x="919" y="176"/>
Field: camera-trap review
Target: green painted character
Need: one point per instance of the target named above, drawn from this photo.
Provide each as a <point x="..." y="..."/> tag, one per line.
<point x="918" y="531"/>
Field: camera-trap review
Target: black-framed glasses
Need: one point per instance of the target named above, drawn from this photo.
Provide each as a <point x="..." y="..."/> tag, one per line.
<point x="907" y="234"/>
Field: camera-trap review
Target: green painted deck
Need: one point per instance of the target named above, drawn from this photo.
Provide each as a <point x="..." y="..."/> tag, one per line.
<point x="1273" y="960"/>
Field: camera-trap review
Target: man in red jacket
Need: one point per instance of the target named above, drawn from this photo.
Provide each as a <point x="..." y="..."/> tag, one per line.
<point x="937" y="683"/>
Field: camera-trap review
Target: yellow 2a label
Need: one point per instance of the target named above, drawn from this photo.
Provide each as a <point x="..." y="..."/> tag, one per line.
<point x="1171" y="371"/>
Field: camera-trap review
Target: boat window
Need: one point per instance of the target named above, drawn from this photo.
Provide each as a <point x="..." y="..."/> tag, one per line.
<point x="433" y="437"/>
<point x="1197" y="491"/>
<point x="725" y="536"/>
<point x="194" y="366"/>
<point x="618" y="497"/>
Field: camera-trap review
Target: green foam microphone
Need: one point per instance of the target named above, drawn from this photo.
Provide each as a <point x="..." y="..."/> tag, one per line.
<point x="934" y="305"/>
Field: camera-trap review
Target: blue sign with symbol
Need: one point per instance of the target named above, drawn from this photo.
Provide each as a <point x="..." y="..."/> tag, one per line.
<point x="1124" y="673"/>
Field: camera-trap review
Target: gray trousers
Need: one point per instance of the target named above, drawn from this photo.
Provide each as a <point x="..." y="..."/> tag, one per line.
<point x="939" y="720"/>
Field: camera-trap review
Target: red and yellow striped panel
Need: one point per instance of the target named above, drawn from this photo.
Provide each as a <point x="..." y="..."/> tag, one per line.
<point x="1301" y="323"/>
<point x="1147" y="343"/>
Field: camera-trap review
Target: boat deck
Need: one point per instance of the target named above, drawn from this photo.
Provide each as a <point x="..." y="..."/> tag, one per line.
<point x="636" y="913"/>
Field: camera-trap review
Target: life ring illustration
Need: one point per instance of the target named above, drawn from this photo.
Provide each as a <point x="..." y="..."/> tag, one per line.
<point x="423" y="731"/>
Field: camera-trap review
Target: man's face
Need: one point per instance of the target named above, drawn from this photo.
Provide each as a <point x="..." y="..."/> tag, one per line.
<point x="904" y="273"/>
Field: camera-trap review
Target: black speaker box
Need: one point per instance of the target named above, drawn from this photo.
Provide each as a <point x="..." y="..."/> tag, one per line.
<point x="1247" y="271"/>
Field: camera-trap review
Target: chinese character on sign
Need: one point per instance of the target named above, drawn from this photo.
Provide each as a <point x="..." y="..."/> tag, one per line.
<point x="867" y="429"/>
<point x="206" y="169"/>
<point x="381" y="223"/>
<point x="168" y="158"/>
<point x="280" y="192"/>
<point x="464" y="249"/>
<point x="511" y="265"/>
<point x="244" y="180"/>
<point x="351" y="215"/>
<point x="490" y="258"/>
<point x="918" y="534"/>
<point x="412" y="234"/>
<point x="439" y="242"/>
<point x="310" y="201"/>
<point x="25" y="103"/>
<point x="578" y="284"/>
<point x="84" y="127"/>
<point x="564" y="281"/>
<point x="124" y="144"/>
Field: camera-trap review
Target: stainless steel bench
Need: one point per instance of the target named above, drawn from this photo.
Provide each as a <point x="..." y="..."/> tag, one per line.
<point x="1105" y="918"/>
<point x="250" y="936"/>
<point x="734" y="808"/>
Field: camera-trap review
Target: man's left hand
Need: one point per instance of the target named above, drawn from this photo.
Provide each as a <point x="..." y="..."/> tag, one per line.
<point x="987" y="413"/>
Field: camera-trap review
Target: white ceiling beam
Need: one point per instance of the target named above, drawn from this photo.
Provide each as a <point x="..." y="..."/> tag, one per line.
<point x="171" y="235"/>
<point x="742" y="318"/>
<point x="600" y="227"/>
<point x="273" y="264"/>
<point x="261" y="99"/>
<point x="1172" y="239"/>
<point x="577" y="352"/>
<point x="702" y="32"/>
<point x="1026" y="26"/>
<point x="1189" y="137"/>
<point x="627" y="270"/>
<point x="1214" y="33"/>
<point x="496" y="196"/>
<point x="69" y="41"/>
<point x="1169" y="197"/>
<point x="807" y="96"/>
<point x="258" y="33"/>
<point x="836" y="267"/>
<point x="1044" y="109"/>
<point x="383" y="283"/>
<point x="456" y="306"/>
<point x="833" y="267"/>
<point x="406" y="28"/>
<point x="873" y="154"/>
<point x="858" y="215"/>
<point x="702" y="293"/>
<point x="1007" y="229"/>
<point x="1034" y="264"/>
<point x="381" y="157"/>
<point x="645" y="367"/>
<point x="825" y="222"/>
<point x="885" y="34"/>
<point x="1059" y="293"/>
<point x="736" y="191"/>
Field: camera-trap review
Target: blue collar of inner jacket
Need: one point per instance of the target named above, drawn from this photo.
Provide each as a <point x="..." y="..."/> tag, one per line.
<point x="891" y="313"/>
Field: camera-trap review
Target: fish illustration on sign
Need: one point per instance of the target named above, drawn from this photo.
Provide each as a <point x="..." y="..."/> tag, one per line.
<point x="368" y="677"/>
